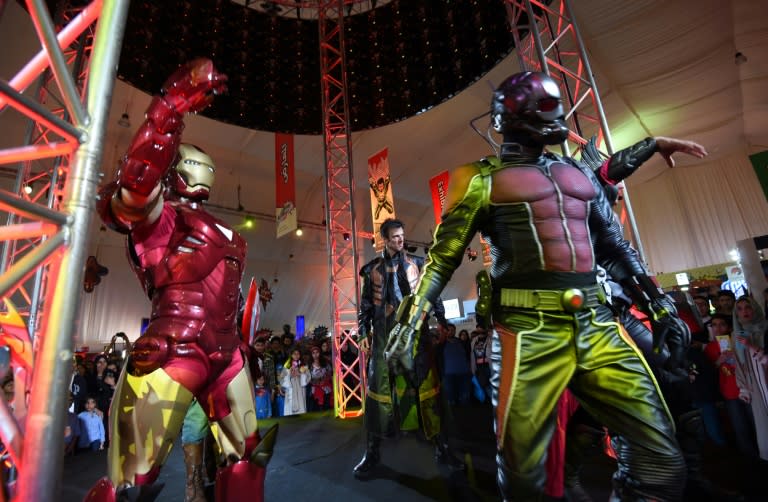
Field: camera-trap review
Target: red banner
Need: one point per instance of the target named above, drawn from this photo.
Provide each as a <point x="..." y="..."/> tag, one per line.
<point x="382" y="204"/>
<point x="438" y="186"/>
<point x="285" y="185"/>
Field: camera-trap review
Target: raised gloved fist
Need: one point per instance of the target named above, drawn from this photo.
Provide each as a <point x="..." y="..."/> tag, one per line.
<point x="399" y="349"/>
<point x="192" y="87"/>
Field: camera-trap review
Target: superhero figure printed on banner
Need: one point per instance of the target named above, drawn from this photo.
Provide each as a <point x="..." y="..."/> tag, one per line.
<point x="549" y="225"/>
<point x="380" y="188"/>
<point x="190" y="265"/>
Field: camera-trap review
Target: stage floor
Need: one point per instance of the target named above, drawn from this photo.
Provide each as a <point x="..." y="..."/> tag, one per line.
<point x="315" y="454"/>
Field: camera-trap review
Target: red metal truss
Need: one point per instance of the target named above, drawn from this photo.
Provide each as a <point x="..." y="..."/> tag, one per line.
<point x="547" y="39"/>
<point x="340" y="212"/>
<point x="41" y="179"/>
<point x="47" y="224"/>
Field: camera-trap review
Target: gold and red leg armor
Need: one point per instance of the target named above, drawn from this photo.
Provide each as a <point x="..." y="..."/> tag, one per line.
<point x="146" y="417"/>
<point x="246" y="452"/>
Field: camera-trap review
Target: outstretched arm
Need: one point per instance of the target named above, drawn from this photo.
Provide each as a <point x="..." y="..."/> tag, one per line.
<point x="624" y="163"/>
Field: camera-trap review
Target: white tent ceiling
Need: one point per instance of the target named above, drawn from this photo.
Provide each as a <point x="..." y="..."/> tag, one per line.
<point x="664" y="68"/>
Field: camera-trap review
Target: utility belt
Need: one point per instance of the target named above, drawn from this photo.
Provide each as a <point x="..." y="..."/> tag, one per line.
<point x="557" y="300"/>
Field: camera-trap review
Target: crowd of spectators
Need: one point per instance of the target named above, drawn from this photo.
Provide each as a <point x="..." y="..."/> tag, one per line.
<point x="729" y="378"/>
<point x="91" y="388"/>
<point x="296" y="373"/>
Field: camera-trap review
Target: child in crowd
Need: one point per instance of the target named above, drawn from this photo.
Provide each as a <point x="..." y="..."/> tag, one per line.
<point x="294" y="379"/>
<point x="91" y="427"/>
<point x="263" y="400"/>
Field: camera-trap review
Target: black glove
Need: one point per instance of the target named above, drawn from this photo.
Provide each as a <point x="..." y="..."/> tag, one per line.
<point x="669" y="330"/>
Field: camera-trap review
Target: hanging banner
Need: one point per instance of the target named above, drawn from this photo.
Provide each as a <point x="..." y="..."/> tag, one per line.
<point x="438" y="187"/>
<point x="285" y="185"/>
<point x="760" y="163"/>
<point x="382" y="205"/>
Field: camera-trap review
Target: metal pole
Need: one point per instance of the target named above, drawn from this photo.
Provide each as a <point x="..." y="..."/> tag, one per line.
<point x="606" y="131"/>
<point x="44" y="27"/>
<point x="40" y="474"/>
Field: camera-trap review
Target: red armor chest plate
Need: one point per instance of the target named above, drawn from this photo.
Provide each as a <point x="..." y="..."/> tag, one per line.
<point x="192" y="264"/>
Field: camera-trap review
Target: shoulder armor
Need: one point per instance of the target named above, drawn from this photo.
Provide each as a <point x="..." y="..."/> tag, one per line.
<point x="366" y="269"/>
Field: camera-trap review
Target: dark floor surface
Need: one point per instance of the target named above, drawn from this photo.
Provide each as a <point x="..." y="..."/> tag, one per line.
<point x="315" y="454"/>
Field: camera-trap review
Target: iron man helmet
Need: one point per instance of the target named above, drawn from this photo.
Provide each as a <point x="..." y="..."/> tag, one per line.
<point x="193" y="175"/>
<point x="527" y="107"/>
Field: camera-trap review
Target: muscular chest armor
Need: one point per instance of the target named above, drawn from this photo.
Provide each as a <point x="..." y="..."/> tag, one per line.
<point x="539" y="216"/>
<point x="191" y="265"/>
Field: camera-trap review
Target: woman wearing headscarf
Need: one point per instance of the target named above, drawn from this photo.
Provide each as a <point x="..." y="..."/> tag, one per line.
<point x="749" y="327"/>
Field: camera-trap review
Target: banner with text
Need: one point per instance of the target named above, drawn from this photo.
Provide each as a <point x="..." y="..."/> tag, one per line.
<point x="438" y="186"/>
<point x="285" y="185"/>
<point x="760" y="163"/>
<point x="382" y="203"/>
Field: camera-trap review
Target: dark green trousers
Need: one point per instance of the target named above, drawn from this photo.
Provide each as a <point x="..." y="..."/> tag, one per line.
<point x="396" y="402"/>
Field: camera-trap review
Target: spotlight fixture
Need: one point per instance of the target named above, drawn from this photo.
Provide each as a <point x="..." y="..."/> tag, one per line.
<point x="27" y="189"/>
<point x="299" y="232"/>
<point x="125" y="121"/>
<point x="346" y="236"/>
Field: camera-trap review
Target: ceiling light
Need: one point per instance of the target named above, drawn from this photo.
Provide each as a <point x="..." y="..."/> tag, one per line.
<point x="299" y="232"/>
<point x="27" y="189"/>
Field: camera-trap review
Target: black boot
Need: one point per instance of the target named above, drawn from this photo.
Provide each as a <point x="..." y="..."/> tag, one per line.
<point x="444" y="455"/>
<point x="691" y="437"/>
<point x="583" y="442"/>
<point x="371" y="459"/>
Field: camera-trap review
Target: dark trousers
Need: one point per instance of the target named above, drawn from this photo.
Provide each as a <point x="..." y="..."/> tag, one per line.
<point x="457" y="388"/>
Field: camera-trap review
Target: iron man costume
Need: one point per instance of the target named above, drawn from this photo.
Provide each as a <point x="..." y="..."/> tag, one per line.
<point x="549" y="224"/>
<point x="190" y="265"/>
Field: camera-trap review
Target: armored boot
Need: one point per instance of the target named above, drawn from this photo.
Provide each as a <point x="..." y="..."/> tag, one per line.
<point x="370" y="460"/>
<point x="243" y="480"/>
<point x="444" y="455"/>
<point x="105" y="491"/>
<point x="194" y="491"/>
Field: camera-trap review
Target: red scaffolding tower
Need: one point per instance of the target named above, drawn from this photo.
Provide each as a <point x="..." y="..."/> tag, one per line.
<point x="349" y="381"/>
